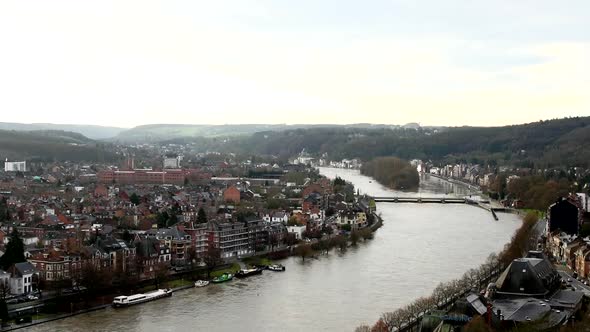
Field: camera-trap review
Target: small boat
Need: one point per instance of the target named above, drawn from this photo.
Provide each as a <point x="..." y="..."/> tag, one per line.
<point x="125" y="301"/>
<point x="276" y="267"/>
<point x="201" y="283"/>
<point x="248" y="272"/>
<point x="223" y="278"/>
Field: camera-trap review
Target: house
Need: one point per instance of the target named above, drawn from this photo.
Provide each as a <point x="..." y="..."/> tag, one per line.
<point x="569" y="252"/>
<point x="297" y="230"/>
<point x="557" y="243"/>
<point x="564" y="215"/>
<point x="231" y="194"/>
<point x="111" y="254"/>
<point x="355" y="218"/>
<point x="54" y="265"/>
<point x="582" y="264"/>
<point x="281" y="217"/>
<point x="177" y="240"/>
<point x="151" y="254"/>
<point x="23" y="278"/>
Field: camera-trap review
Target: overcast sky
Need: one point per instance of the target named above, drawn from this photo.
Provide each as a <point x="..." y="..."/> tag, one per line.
<point x="127" y="63"/>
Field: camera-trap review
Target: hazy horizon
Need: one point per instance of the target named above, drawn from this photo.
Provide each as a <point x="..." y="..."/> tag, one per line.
<point x="129" y="63"/>
<point x="278" y="124"/>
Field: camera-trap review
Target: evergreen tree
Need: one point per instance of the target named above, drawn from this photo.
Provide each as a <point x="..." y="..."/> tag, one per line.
<point x="162" y="219"/>
<point x="4" y="213"/>
<point x="201" y="216"/>
<point x="3" y="311"/>
<point x="134" y="198"/>
<point x="15" y="251"/>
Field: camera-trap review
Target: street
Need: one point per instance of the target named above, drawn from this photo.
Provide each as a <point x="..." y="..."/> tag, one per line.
<point x="578" y="285"/>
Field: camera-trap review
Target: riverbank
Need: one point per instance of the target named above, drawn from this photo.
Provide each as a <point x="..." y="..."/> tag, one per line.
<point x="259" y="259"/>
<point x="335" y="292"/>
<point x="446" y="295"/>
<point x="67" y="315"/>
<point x="457" y="181"/>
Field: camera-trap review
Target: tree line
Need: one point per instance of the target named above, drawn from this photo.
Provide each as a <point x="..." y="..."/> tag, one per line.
<point x="392" y="172"/>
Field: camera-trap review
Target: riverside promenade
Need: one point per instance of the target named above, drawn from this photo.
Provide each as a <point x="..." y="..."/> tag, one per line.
<point x="15" y="326"/>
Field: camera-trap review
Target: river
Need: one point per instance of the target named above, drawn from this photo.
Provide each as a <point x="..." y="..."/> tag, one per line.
<point x="418" y="246"/>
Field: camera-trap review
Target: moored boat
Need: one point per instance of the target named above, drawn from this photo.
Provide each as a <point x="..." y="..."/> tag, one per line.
<point x="125" y="301"/>
<point x="223" y="278"/>
<point x="248" y="272"/>
<point x="276" y="267"/>
<point x="201" y="283"/>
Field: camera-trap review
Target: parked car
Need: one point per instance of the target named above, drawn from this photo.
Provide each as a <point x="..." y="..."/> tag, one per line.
<point x="31" y="297"/>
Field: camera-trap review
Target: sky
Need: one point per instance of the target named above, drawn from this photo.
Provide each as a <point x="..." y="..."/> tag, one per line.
<point x="454" y="62"/>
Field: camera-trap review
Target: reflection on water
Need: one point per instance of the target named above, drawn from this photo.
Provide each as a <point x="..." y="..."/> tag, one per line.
<point x="419" y="246"/>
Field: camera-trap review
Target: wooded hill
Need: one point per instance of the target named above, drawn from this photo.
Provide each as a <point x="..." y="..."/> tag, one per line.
<point x="52" y="145"/>
<point x="560" y="142"/>
<point x="161" y="132"/>
<point x="90" y="131"/>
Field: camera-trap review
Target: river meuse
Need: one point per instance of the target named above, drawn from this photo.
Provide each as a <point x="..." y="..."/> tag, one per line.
<point x="418" y="246"/>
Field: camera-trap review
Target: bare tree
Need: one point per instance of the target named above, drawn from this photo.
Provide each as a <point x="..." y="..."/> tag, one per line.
<point x="363" y="328"/>
<point x="424" y="304"/>
<point x="4" y="289"/>
<point x="161" y="274"/>
<point x="212" y="259"/>
<point x="438" y="295"/>
<point x="303" y="250"/>
<point x="395" y="320"/>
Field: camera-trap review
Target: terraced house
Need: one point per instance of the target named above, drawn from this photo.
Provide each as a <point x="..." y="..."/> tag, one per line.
<point x="55" y="265"/>
<point x="177" y="240"/>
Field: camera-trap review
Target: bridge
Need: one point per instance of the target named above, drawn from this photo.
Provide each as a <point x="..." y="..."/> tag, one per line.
<point x="484" y="204"/>
<point x="420" y="199"/>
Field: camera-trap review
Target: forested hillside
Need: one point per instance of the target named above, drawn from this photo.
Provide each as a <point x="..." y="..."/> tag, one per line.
<point x="90" y="131"/>
<point x="543" y="144"/>
<point x="52" y="145"/>
<point x="161" y="132"/>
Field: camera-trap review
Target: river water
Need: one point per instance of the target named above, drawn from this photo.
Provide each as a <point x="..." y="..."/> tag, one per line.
<point x="418" y="246"/>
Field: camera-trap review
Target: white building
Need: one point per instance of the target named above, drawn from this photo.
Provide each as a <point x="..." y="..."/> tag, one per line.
<point x="584" y="200"/>
<point x="15" y="166"/>
<point x="170" y="162"/>
<point x="297" y="230"/>
<point x="21" y="278"/>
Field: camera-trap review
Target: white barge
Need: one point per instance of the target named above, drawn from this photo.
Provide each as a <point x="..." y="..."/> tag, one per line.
<point x="125" y="301"/>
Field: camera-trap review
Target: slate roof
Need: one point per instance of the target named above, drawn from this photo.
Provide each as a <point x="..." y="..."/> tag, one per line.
<point x="476" y="303"/>
<point x="522" y="309"/>
<point x="566" y="299"/>
<point x="22" y="269"/>
<point x="534" y="277"/>
<point x="530" y="309"/>
<point x="172" y="232"/>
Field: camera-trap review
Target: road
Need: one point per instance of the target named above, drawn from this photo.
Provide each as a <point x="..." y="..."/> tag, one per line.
<point x="575" y="283"/>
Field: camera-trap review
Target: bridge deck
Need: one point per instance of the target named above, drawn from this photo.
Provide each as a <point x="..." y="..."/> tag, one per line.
<point x="423" y="200"/>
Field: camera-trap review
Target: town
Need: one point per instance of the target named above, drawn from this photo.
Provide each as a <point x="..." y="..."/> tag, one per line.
<point x="93" y="229"/>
